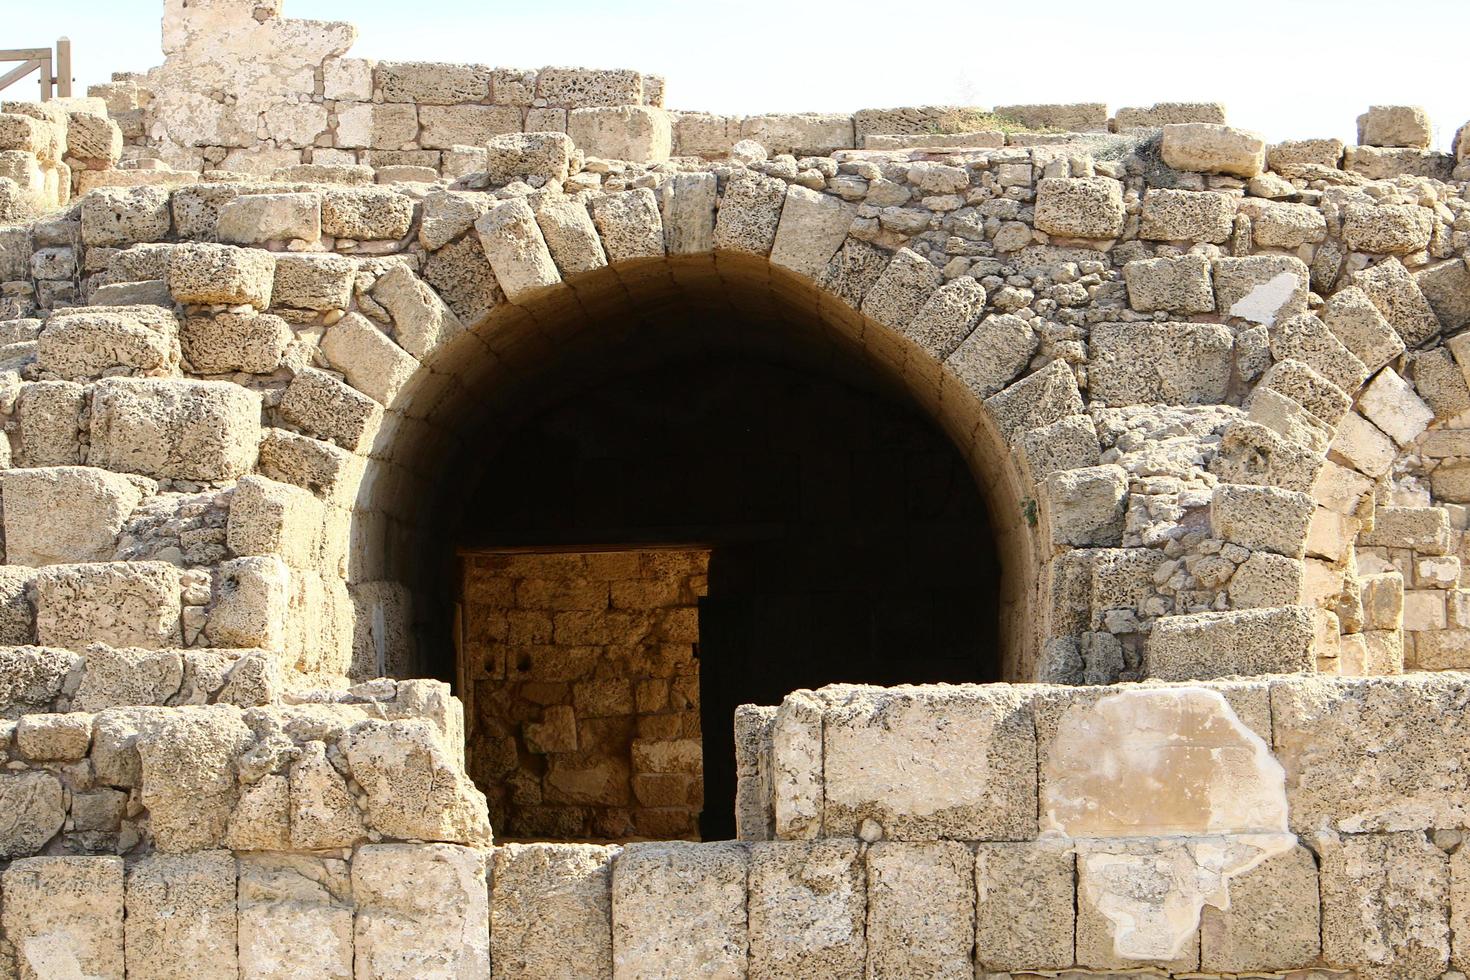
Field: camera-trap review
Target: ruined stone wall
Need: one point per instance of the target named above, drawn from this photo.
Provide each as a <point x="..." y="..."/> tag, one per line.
<point x="582" y="690"/>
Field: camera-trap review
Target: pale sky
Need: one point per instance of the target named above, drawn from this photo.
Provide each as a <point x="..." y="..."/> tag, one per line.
<point x="1286" y="68"/>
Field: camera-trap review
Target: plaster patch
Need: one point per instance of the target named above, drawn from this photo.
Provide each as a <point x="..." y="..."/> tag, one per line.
<point x="1264" y="302"/>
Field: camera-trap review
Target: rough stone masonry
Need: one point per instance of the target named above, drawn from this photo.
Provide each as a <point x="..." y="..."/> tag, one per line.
<point x="1217" y="390"/>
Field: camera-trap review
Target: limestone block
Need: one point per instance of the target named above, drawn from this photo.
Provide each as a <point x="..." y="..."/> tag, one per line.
<point x="366" y="213"/>
<point x="174" y="429"/>
<point x="432" y="83"/>
<point x="1203" y="646"/>
<point x="589" y="87"/>
<point x="328" y="409"/>
<point x="1272" y="920"/>
<point x="629" y="224"/>
<point x="812" y="228"/>
<point x="328" y="471"/>
<point x="804" y="134"/>
<point x="1383" y="601"/>
<point x="1025" y="913"/>
<point x="1180" y="284"/>
<point x="348" y="79"/>
<point x="1289" y="419"/>
<point x="1390" y="287"/>
<point x="122" y="604"/>
<point x="1085" y="507"/>
<point x="66" y="513"/>
<point x="1386" y="229"/>
<point x="551" y="911"/>
<point x="808" y="903"/>
<point x="639" y="134"/>
<point x="206" y="273"/>
<point x="1293" y="158"/>
<point x="323" y="812"/>
<point x="1307" y="339"/>
<point x="1307" y="388"/>
<point x="422" y="910"/>
<point x="259" y="218"/>
<point x="421" y="320"/>
<point x="1265" y="580"/>
<point x="572" y="236"/>
<point x="749" y="213"/>
<point x="117" y="677"/>
<point x="1363" y="445"/>
<point x="63" y="916"/>
<point x="1439" y="382"/>
<point x="1265" y="289"/>
<point x="32" y="679"/>
<point x="1036" y="400"/>
<point x="1138" y="902"/>
<point x="1391" y="404"/>
<point x="373" y="363"/>
<point x="25" y="134"/>
<point x="516" y="250"/>
<point x="385" y="127"/>
<point x="461" y="275"/>
<point x="223" y="343"/>
<point x="1261" y="518"/>
<point x="852" y="271"/>
<point x="994" y="353"/>
<point x="902" y="289"/>
<point x="121" y="216"/>
<point x="1173" y="363"/>
<point x="535" y="156"/>
<point x="415" y="785"/>
<point x="188" y="767"/>
<point x="251" y="600"/>
<point x="465" y="125"/>
<point x="921" y="910"/>
<point x="181" y="908"/>
<point x="1384" y="905"/>
<point x="948" y="317"/>
<point x="1395" y="125"/>
<point x="707" y="882"/>
<point x="688" y="205"/>
<point x="1178" y="215"/>
<point x="449" y="214"/>
<point x="50" y="422"/>
<point x="1080" y="207"/>
<point x="1446" y="285"/>
<point x="796" y="767"/>
<point x="893" y="758"/>
<point x="1278" y="225"/>
<point x="295" y="917"/>
<point x="1213" y="148"/>
<point x="35" y="810"/>
<point x="86" y="342"/>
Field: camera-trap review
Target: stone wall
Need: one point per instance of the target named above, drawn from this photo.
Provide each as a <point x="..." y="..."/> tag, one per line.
<point x="582" y="690"/>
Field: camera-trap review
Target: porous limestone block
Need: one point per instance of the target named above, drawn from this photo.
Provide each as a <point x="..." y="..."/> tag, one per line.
<point x="63" y="917"/>
<point x="1265" y="580"/>
<point x="1213" y="148"/>
<point x="1084" y="508"/>
<point x="638" y="134"/>
<point x="174" y="429"/>
<point x="35" y="810"/>
<point x="295" y="917"/>
<point x="707" y="882"/>
<point x="754" y="813"/>
<point x="414" y="782"/>
<point x="66" y="513"/>
<point x="1446" y="285"/>
<point x="50" y="423"/>
<point x="1261" y="517"/>
<point x="1460" y="908"/>
<point x="422" y="910"/>
<point x="1203" y="646"/>
<point x="516" y="249"/>
<point x="1390" y="287"/>
<point x="85" y="342"/>
<point x="796" y="767"/>
<point x="1161" y="114"/>
<point x="1180" y="215"/>
<point x="445" y="127"/>
<point x="521" y="156"/>
<point x="1025" y="911"/>
<point x="1173" y="363"/>
<point x="1306" y="339"/>
<point x="449" y="214"/>
<point x="1137" y="902"/>
<point x="421" y="320"/>
<point x="893" y="758"/>
<point x="994" y="353"/>
<point x="326" y="408"/>
<point x="1067" y="444"/>
<point x="1292" y="158"/>
<point x="1272" y="920"/>
<point x="629" y="224"/>
<point x="1392" y="405"/>
<point x="590" y="86"/>
<point x="904" y="286"/>
<point x="852" y="271"/>
<point x="432" y="83"/>
<point x="384" y="127"/>
<point x="812" y="228"/>
<point x="121" y="604"/>
<point x="749" y="213"/>
<point x="1387" y="229"/>
<point x="61" y="737"/>
<point x="1396" y="125"/>
<point x="921" y="910"/>
<point x="223" y="343"/>
<point x="1278" y="225"/>
<point x="947" y="317"/>
<point x="1385" y="903"/>
<point x="203" y="274"/>
<point x="1362" y="444"/>
<point x="804" y="134"/>
<point x="1369" y="755"/>
<point x="25" y="134"/>
<point x="255" y="219"/>
<point x="250" y="603"/>
<point x="1080" y="207"/>
<point x="122" y="216"/>
<point x="372" y="362"/>
<point x="188" y="763"/>
<point x="808" y="902"/>
<point x="1178" y="284"/>
<point x="181" y="909"/>
<point x="688" y="205"/>
<point x="1036" y="400"/>
<point x="330" y="472"/>
<point x="572" y="236"/>
<point x="551" y="911"/>
<point x="1286" y="417"/>
<point x="1439" y="382"/>
<point x="1264" y="289"/>
<point x="32" y="679"/>
<point x="1383" y="600"/>
<point x="348" y="79"/>
<point x="366" y="213"/>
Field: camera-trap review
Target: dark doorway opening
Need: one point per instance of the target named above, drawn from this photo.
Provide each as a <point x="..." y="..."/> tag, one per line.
<point x="846" y="542"/>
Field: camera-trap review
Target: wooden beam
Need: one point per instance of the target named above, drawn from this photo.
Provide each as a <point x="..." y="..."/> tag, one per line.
<point x="24" y="54"/>
<point x="16" y="74"/>
<point x="63" y="67"/>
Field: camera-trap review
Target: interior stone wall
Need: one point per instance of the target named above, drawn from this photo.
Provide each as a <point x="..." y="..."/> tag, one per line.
<point x="581" y="685"/>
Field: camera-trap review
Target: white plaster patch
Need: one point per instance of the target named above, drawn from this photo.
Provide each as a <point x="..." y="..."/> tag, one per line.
<point x="1264" y="302"/>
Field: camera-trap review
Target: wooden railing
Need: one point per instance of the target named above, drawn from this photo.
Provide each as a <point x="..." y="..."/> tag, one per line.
<point x="55" y="69"/>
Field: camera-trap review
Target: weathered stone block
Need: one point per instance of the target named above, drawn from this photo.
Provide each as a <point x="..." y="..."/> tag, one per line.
<point x="35" y="812"/>
<point x="206" y="274"/>
<point x="1390" y="287"/>
<point x="521" y="156"/>
<point x="903" y="287"/>
<point x="372" y="362"/>
<point x="1386" y="229"/>
<point x="122" y="604"/>
<point x="226" y="342"/>
<point x="808" y="903"/>
<point x="688" y="205"/>
<point x="1036" y="400"/>
<point x="629" y="224"/>
<point x="384" y="127"/>
<point x="414" y="782"/>
<point x="551" y="911"/>
<point x="1177" y="215"/>
<point x="66" y="513"/>
<point x="1446" y="285"/>
<point x="465" y="125"/>
<point x="1272" y="921"/>
<point x="366" y="213"/>
<point x="255" y="219"/>
<point x="1261" y="518"/>
<point x="64" y="917"/>
<point x="1025" y="912"/>
<point x="1391" y="404"/>
<point x="188" y="759"/>
<point x="706" y="881"/>
<point x="1085" y="507"/>
<point x="1179" y="284"/>
<point x="749" y="213"/>
<point x="1081" y="207"/>
<point x="189" y="430"/>
<point x="1213" y="148"/>
<point x="921" y="910"/>
<point x="326" y="408"/>
<point x="422" y="910"/>
<point x="121" y="216"/>
<point x="181" y="908"/>
<point x="994" y="353"/>
<point x="1395" y="125"/>
<point x="1307" y="339"/>
<point x="1385" y="904"/>
<point x="516" y="249"/>
<point x="295" y="917"/>
<point x="85" y="342"/>
<point x="1173" y="363"/>
<point x="1203" y="646"/>
<point x="812" y="228"/>
<point x="1265" y="289"/>
<point x="640" y="134"/>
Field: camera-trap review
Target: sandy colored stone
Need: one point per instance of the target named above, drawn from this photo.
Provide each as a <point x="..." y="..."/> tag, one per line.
<point x="124" y="604"/>
<point x="1202" y="646"/>
<point x="35" y="810"/>
<point x="422" y="910"/>
<point x="812" y="228"/>
<point x="181" y="908"/>
<point x="1213" y="148"/>
<point x="85" y="343"/>
<point x="807" y="905"/>
<point x="190" y="430"/>
<point x="415" y="785"/>
<point x="63" y="916"/>
<point x="295" y="917"/>
<point x="66" y="514"/>
<point x="227" y="342"/>
<point x="1273" y="918"/>
<point x="1025" y="913"/>
<point x="371" y="361"/>
<point x="708" y="883"/>
<point x="1385" y="900"/>
<point x="993" y="354"/>
<point x="551" y="911"/>
<point x="921" y="910"/>
<point x="1172" y="363"/>
<point x="749" y="213"/>
<point x="1082" y="207"/>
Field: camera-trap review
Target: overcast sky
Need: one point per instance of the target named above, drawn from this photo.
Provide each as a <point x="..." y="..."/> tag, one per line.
<point x="1288" y="68"/>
